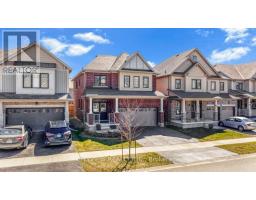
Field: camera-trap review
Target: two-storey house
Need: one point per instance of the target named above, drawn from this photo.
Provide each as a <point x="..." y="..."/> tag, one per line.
<point x="242" y="85"/>
<point x="198" y="94"/>
<point x="33" y="97"/>
<point x="107" y="83"/>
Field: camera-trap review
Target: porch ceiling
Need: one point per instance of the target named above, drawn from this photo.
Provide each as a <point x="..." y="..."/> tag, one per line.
<point x="98" y="92"/>
<point x="194" y="95"/>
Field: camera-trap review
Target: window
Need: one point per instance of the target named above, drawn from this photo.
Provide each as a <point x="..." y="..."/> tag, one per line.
<point x="222" y="86"/>
<point x="146" y="82"/>
<point x="196" y="83"/>
<point x="194" y="58"/>
<point x="239" y="86"/>
<point x="36" y="80"/>
<point x="26" y="80"/>
<point x="213" y="85"/>
<point x="44" y="80"/>
<point x="136" y="81"/>
<point x="100" y="80"/>
<point x="177" y="83"/>
<point x="126" y="81"/>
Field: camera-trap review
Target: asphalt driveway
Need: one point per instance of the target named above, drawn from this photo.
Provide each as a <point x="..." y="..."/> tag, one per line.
<point x="165" y="136"/>
<point x="157" y="136"/>
<point x="36" y="148"/>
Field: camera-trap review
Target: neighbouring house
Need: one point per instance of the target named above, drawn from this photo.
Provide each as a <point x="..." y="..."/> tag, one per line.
<point x="242" y="86"/>
<point x="33" y="98"/>
<point x="198" y="93"/>
<point x="71" y="104"/>
<point x="103" y="88"/>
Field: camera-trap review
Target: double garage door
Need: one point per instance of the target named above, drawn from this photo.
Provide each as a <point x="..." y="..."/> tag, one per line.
<point x="143" y="116"/>
<point x="36" y="118"/>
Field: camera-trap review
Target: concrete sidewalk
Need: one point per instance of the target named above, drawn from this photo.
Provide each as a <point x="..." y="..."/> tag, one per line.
<point x="14" y="162"/>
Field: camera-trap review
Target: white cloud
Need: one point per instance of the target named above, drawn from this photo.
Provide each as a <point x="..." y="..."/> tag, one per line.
<point x="92" y="37"/>
<point x="254" y="41"/>
<point x="54" y="45"/>
<point x="236" y="34"/>
<point x="228" y="54"/>
<point x="152" y="64"/>
<point x="57" y="47"/>
<point x="203" y="32"/>
<point x="78" y="49"/>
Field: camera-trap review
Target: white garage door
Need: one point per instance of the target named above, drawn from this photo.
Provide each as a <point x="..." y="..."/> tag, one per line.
<point x="144" y="116"/>
<point x="226" y="112"/>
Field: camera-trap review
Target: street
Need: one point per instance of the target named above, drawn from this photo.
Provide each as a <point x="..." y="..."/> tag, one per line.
<point x="243" y="164"/>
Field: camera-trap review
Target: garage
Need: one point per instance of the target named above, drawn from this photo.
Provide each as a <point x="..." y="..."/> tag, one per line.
<point x="36" y="118"/>
<point x="144" y="116"/>
<point x="226" y="112"/>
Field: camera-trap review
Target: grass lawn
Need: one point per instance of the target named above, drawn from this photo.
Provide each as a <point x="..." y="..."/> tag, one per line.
<point x="204" y="134"/>
<point x="243" y="148"/>
<point x="116" y="164"/>
<point x="83" y="143"/>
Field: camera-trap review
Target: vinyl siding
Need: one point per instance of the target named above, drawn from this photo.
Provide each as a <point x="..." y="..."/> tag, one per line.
<point x="61" y="77"/>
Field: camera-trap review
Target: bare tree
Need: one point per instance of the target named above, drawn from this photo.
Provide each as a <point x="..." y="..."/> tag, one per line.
<point x="129" y="126"/>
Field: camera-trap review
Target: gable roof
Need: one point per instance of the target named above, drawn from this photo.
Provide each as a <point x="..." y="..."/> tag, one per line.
<point x="172" y="64"/>
<point x="112" y="63"/>
<point x="238" y="71"/>
<point x="12" y="53"/>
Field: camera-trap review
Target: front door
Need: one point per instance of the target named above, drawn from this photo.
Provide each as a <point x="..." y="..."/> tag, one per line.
<point x="193" y="109"/>
<point x="101" y="109"/>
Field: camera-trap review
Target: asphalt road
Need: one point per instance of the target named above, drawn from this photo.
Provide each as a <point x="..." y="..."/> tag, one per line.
<point x="73" y="166"/>
<point x="244" y="164"/>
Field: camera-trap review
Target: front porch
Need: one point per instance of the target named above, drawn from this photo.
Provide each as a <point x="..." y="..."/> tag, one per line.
<point x="105" y="112"/>
<point x="194" y="113"/>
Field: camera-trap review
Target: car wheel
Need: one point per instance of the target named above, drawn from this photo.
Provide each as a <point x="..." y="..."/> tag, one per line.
<point x="240" y="128"/>
<point x="221" y="124"/>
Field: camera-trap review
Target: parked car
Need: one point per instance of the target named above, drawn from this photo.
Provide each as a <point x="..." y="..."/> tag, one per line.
<point x="57" y="133"/>
<point x="12" y="137"/>
<point x="240" y="123"/>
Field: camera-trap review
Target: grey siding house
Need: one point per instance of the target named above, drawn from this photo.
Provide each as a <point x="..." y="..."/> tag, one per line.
<point x="34" y="98"/>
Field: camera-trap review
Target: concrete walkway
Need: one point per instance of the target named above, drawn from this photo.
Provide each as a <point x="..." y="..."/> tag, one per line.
<point x="25" y="161"/>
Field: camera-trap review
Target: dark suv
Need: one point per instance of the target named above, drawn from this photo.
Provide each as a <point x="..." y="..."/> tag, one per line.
<point x="57" y="133"/>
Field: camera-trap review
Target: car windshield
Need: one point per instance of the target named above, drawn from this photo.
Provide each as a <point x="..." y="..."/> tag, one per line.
<point x="58" y="124"/>
<point x="247" y="120"/>
<point x="10" y="131"/>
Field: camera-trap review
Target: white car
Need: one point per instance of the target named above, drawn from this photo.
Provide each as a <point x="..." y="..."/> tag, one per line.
<point x="240" y="123"/>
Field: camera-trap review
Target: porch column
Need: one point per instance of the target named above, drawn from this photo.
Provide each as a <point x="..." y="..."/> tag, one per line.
<point x="249" y="107"/>
<point x="90" y="118"/>
<point x="197" y="110"/>
<point x="66" y="111"/>
<point x="90" y="105"/>
<point x="215" y="113"/>
<point x="116" y="111"/>
<point x="161" y="113"/>
<point x="183" y="110"/>
<point x="1" y="115"/>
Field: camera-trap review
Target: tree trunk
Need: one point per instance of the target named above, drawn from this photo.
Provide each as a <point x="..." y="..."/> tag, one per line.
<point x="129" y="149"/>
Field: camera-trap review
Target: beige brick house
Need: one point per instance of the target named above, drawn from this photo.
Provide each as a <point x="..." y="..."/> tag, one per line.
<point x="198" y="93"/>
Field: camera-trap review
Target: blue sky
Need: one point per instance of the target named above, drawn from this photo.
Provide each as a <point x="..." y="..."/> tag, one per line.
<point x="77" y="47"/>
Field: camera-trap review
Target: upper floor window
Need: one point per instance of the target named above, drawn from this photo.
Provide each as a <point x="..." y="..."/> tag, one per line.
<point x="100" y="80"/>
<point x="126" y="81"/>
<point x="194" y="58"/>
<point x="239" y="86"/>
<point x="222" y="86"/>
<point x="196" y="83"/>
<point x="177" y="83"/>
<point x="36" y="80"/>
<point x="213" y="85"/>
<point x="136" y="81"/>
<point x="145" y="81"/>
